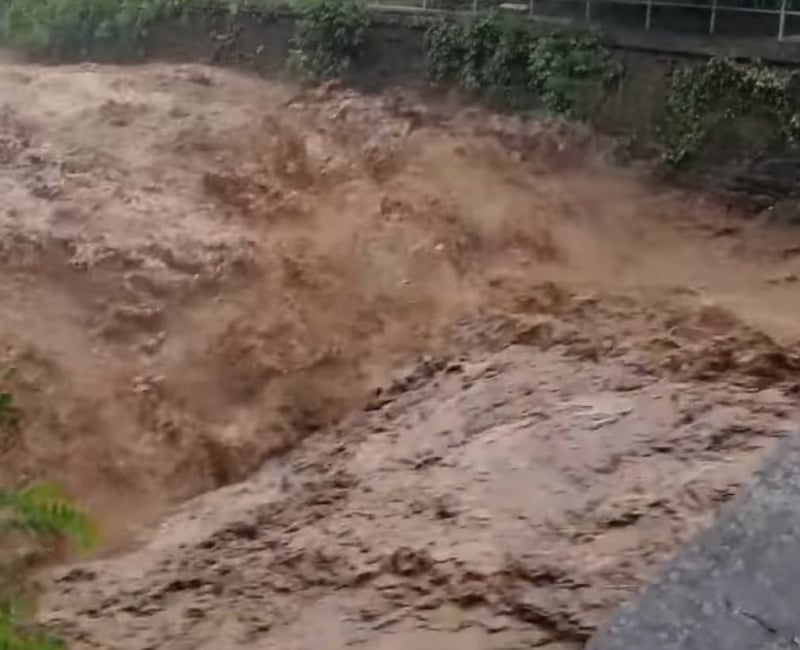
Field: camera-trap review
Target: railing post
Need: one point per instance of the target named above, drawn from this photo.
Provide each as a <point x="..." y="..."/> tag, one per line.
<point x="648" y="17"/>
<point x="712" y="23"/>
<point x="588" y="15"/>
<point x="782" y="22"/>
<point x="474" y="6"/>
<point x="530" y="9"/>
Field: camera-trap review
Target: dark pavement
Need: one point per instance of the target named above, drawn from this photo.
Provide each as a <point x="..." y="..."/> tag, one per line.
<point x="737" y="587"/>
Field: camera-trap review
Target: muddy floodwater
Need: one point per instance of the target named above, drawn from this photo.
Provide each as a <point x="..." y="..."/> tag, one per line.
<point x="441" y="378"/>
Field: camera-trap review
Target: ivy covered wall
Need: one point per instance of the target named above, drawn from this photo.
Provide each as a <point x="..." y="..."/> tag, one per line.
<point x="735" y="124"/>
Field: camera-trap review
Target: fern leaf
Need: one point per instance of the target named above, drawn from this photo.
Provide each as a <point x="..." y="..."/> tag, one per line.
<point x="42" y="511"/>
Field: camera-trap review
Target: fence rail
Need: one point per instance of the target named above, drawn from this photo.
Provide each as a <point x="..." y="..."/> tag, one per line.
<point x="782" y="10"/>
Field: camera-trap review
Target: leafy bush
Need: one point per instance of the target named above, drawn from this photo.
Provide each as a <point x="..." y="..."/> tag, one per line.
<point x="328" y="38"/>
<point x="445" y="49"/>
<point x="507" y="73"/>
<point x="481" y="44"/>
<point x="43" y="514"/>
<point x="502" y="61"/>
<point x="702" y="97"/>
<point x="57" y="26"/>
<point x="51" y="25"/>
<point x="560" y="64"/>
<point x="31" y="519"/>
<point x="486" y="56"/>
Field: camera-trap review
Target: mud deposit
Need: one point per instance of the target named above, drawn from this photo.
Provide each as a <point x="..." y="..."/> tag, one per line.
<point x="479" y="382"/>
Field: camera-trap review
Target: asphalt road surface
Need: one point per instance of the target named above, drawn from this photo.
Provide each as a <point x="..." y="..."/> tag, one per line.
<point x="737" y="587"/>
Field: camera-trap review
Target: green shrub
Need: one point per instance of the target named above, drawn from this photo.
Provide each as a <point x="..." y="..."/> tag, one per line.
<point x="482" y="38"/>
<point x="445" y="49"/>
<point x="705" y="96"/>
<point x="43" y="514"/>
<point x="507" y="73"/>
<point x="329" y="37"/>
<point x="486" y="56"/>
<point x="31" y="520"/>
<point x="500" y="60"/>
<point x="55" y="27"/>
<point x="561" y="65"/>
<point x="39" y="515"/>
<point x="52" y="25"/>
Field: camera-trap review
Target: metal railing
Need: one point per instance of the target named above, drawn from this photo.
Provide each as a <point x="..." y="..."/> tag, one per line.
<point x="782" y="10"/>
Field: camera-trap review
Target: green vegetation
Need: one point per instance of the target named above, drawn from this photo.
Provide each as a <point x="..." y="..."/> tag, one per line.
<point x="493" y="56"/>
<point x="328" y="38"/>
<point x="563" y="66"/>
<point x="500" y="60"/>
<point x="10" y="417"/>
<point x="329" y="33"/>
<point x="705" y="96"/>
<point x="12" y="639"/>
<point x="51" y="26"/>
<point x="43" y="514"/>
<point x="32" y="519"/>
<point x="54" y="27"/>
